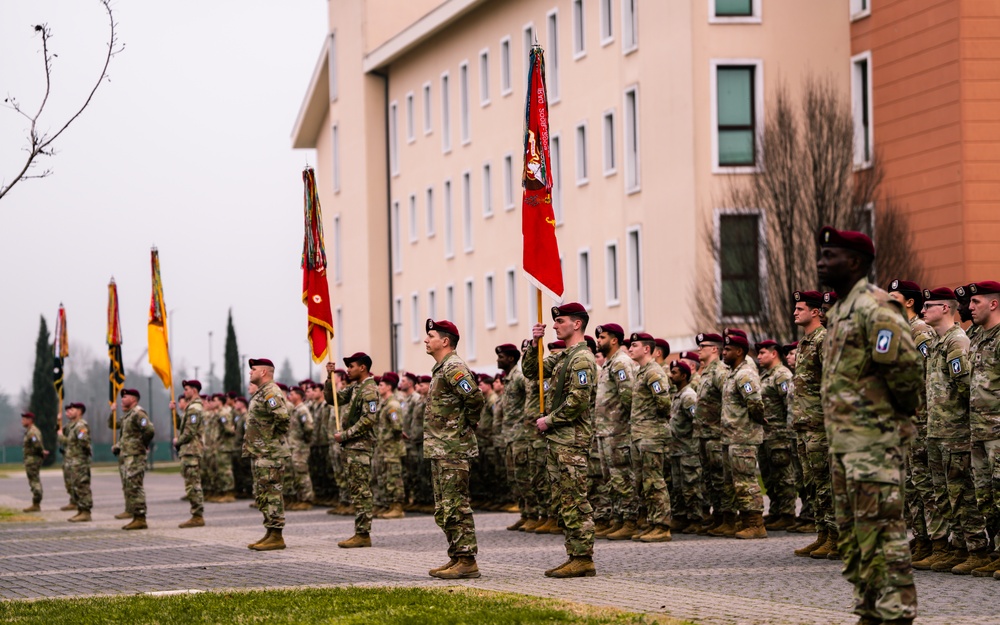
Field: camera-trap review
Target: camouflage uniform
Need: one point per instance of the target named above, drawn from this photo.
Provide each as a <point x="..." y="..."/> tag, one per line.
<point x="226" y="434"/>
<point x="454" y="404"/>
<point x="537" y="454"/>
<point x="949" y="444"/>
<point x="984" y="421"/>
<point x="708" y="429"/>
<point x="300" y="433"/>
<point x="115" y="425"/>
<point x="574" y="385"/>
<point x="517" y="431"/>
<point x="483" y="484"/>
<point x="137" y="432"/>
<point x="389" y="444"/>
<point x="611" y="431"/>
<point x="242" y="479"/>
<point x="807" y="421"/>
<point x="265" y="444"/>
<point x="75" y="442"/>
<point x="319" y="453"/>
<point x="33" y="457"/>
<point x="919" y="487"/>
<point x="190" y="447"/>
<point x="418" y="482"/>
<point x="742" y="433"/>
<point x="776" y="452"/>
<point x="650" y="432"/>
<point x="210" y="442"/>
<point x="685" y="457"/>
<point x="870" y="385"/>
<point x="357" y="442"/>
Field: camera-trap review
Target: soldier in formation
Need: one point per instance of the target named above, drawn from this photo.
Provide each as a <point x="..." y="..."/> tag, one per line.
<point x="189" y="446"/>
<point x="34" y="454"/>
<point x="301" y="428"/>
<point x="265" y="444"/>
<point x="75" y="444"/>
<point x="132" y="448"/>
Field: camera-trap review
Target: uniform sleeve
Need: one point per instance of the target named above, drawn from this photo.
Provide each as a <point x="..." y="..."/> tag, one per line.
<point x="279" y="417"/>
<point x="308" y="425"/>
<point x="369" y="414"/>
<point x="959" y="371"/>
<point x="191" y="426"/>
<point x="229" y="426"/>
<point x="395" y="419"/>
<point x="580" y="383"/>
<point x="623" y="379"/>
<point x="659" y="386"/>
<point x="749" y="388"/>
<point x="896" y="357"/>
<point x="529" y="364"/>
<point x="147" y="430"/>
<point x="83" y="436"/>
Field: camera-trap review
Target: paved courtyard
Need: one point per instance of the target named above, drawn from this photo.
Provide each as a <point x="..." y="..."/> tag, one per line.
<point x="707" y="580"/>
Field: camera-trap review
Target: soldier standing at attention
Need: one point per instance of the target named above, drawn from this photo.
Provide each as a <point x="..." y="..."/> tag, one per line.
<point x="300" y="432"/>
<point x="76" y="460"/>
<point x="188" y="443"/>
<point x="241" y="466"/>
<point x="267" y="425"/>
<point x="517" y="441"/>
<point x="776" y="453"/>
<point x="224" y="452"/>
<point x="357" y="440"/>
<point x="708" y="429"/>
<point x="870" y="388"/>
<point x="389" y="441"/>
<point x="685" y="461"/>
<point x="34" y="454"/>
<point x="137" y="432"/>
<point x="454" y="404"/>
<point x="568" y="428"/>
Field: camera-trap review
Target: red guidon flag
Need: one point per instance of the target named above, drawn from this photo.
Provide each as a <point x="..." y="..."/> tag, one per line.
<point x="538" y="220"/>
<point x="315" y="289"/>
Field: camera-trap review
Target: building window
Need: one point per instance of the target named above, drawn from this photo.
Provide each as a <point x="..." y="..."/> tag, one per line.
<point x="332" y="70"/>
<point x="611" y="273"/>
<point x="528" y="39"/>
<point x="415" y="321"/>
<point x="633" y="266"/>
<point x="336" y="158"/>
<point x="397" y="250"/>
<point x="733" y="8"/>
<point x="511" y="280"/>
<point x="449" y="222"/>
<point x="463" y="101"/>
<point x="861" y="103"/>
<point x="736" y="101"/>
<point x="432" y="304"/>
<point x="484" y="77"/>
<point x="428" y="122"/>
<point x="555" y="152"/>
<point x="410" y="136"/>
<point x="449" y="302"/>
<point x="467" y="212"/>
<point x="860" y="8"/>
<point x="338" y="264"/>
<point x="630" y="26"/>
<point x="581" y="154"/>
<point x="397" y="333"/>
<point x="508" y="182"/>
<point x="490" y="303"/>
<point x="739" y="264"/>
<point x="505" y="85"/>
<point x="579" y="32"/>
<point x="583" y="262"/>
<point x="430" y="212"/>
<point x="487" y="190"/>
<point x="394" y="138"/>
<point x="469" y="331"/>
<point x="552" y="56"/>
<point x="338" y="317"/>
<point x="413" y="218"/>
<point x="607" y="23"/>
<point x="608" y="141"/>
<point x="631" y="135"/>
<point x="445" y="114"/>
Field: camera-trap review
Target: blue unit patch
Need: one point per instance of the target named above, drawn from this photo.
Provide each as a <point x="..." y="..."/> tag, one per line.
<point x="465" y="386"/>
<point x="883" y="341"/>
<point x="372" y="406"/>
<point x="194" y="419"/>
<point x="303" y="418"/>
<point x="657" y="388"/>
<point x="273" y="403"/>
<point x="923" y="349"/>
<point x="80" y="435"/>
<point x="142" y="422"/>
<point x="747" y="388"/>
<point x="956" y="365"/>
<point x="784" y="387"/>
<point x="582" y="377"/>
<point x="622" y="375"/>
<point x="222" y="419"/>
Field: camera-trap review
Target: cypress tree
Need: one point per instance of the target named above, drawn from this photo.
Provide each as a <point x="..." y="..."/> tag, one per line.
<point x="44" y="402"/>
<point x="232" y="380"/>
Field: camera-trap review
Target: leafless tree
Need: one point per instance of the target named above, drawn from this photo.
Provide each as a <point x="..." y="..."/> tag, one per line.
<point x="807" y="180"/>
<point x="39" y="141"/>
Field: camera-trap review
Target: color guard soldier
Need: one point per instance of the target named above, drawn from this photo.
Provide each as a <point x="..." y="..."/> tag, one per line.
<point x="34" y="454"/>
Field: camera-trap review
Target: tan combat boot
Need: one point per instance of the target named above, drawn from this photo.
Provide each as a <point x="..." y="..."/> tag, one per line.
<point x="266" y="536"/>
<point x="692" y="527"/>
<point x="659" y="534"/>
<point x="829" y="546"/>
<point x="549" y="572"/>
<point x="395" y="511"/>
<point x="465" y="568"/>
<point x="530" y="525"/>
<point x="578" y="566"/>
<point x="550" y="526"/>
<point x="195" y="521"/>
<point x="710" y="523"/>
<point x="230" y="496"/>
<point x="987" y="570"/>
<point x="780" y="522"/>
<point x="600" y="525"/>
<point x="678" y="523"/>
<point x="517" y="525"/>
<point x="728" y="527"/>
<point x="124" y="515"/>
<point x="81" y="517"/>
<point x="922" y="548"/>
<point x="944" y="565"/>
<point x="642" y="531"/>
<point x="626" y="532"/>
<point x="32" y="508"/>
<point x="452" y="561"/>
<point x="753" y="526"/>
<point x="975" y="560"/>
<point x="68" y="507"/>
<point x="356" y="541"/>
<point x="939" y="549"/>
<point x="270" y="542"/>
<point x="138" y="523"/>
<point x="806" y="551"/>
<point x="613" y="527"/>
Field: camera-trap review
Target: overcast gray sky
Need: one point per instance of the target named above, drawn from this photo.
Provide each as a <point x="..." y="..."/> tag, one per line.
<point x="187" y="148"/>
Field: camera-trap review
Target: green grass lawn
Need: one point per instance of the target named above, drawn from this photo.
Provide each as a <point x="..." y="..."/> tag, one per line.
<point x="360" y="606"/>
<point x="10" y="515"/>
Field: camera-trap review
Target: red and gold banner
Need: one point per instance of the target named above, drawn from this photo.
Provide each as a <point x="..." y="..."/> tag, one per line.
<point x="159" y="352"/>
<point x="315" y="288"/>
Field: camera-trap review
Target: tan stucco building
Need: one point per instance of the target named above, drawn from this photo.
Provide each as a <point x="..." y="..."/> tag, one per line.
<point x="416" y="111"/>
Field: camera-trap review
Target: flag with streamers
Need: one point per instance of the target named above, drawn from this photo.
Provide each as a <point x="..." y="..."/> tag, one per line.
<point x="116" y="372"/>
<point x="60" y="351"/>
<point x="159" y="354"/>
<point x="315" y="288"/>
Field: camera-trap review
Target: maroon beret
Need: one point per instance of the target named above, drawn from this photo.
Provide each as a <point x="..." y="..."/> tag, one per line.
<point x="664" y="345"/>
<point x="79" y="405"/>
<point x="261" y="362"/>
<point x="359" y="357"/>
<point x="204" y="397"/>
<point x="557" y="345"/>
<point x="788" y="349"/>
<point x="296" y="389"/>
<point x="391" y="378"/>
<point x="306" y="383"/>
<point x="847" y="239"/>
<point x="507" y="348"/>
<point x="735" y="332"/>
<point x="442" y="326"/>
<point x="768" y="344"/>
<point x="695" y="356"/>
<point x="829" y="297"/>
<point x="708" y="338"/>
<point x="195" y="384"/>
<point x="499" y="377"/>
<point x="611" y="328"/>
<point x="425" y="379"/>
<point x="233" y="395"/>
<point x="961" y="292"/>
<point x="988" y="287"/>
<point x="938" y="294"/>
<point x="131" y="391"/>
<point x="484" y="378"/>
<point x="31" y="415"/>
<point x="813" y="298"/>
<point x="641" y="336"/>
<point x="242" y="400"/>
<point x="905" y="287"/>
<point x="571" y="308"/>
<point x="283" y="387"/>
<point x="738" y="341"/>
<point x="340" y="372"/>
<point x="412" y="377"/>
<point x="591" y="343"/>
<point x="683" y="366"/>
<point x="219" y="396"/>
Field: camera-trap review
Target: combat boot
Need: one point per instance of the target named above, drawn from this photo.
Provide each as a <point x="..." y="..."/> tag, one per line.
<point x="939" y="549"/>
<point x="395" y="511"/>
<point x="465" y="568"/>
<point x="975" y="560"/>
<point x="945" y="565"/>
<point x="600" y="525"/>
<point x="551" y="526"/>
<point x="780" y="522"/>
<point x="710" y="523"/>
<point x="138" y="523"/>
<point x="124" y="515"/>
<point x="613" y="527"/>
<point x="271" y="542"/>
<point x="32" y="508"/>
<point x="452" y="561"/>
<point x="517" y="525"/>
<point x="921" y="549"/>
<point x="81" y="517"/>
<point x="804" y="526"/>
<point x="348" y="510"/>
<point x="642" y="531"/>
<point x="987" y="570"/>
<point x="196" y="520"/>
<point x="356" y="541"/>
<point x="626" y="532"/>
<point x="530" y="525"/>
<point x="230" y="496"/>
<point x="806" y="551"/>
<point x="692" y="527"/>
<point x="829" y="546"/>
<point x="578" y="566"/>
<point x="549" y="572"/>
<point x="659" y="534"/>
<point x="753" y="526"/>
<point x="728" y="527"/>
<point x="266" y="537"/>
<point x="68" y="507"/>
<point x="510" y="507"/>
<point x="678" y="523"/>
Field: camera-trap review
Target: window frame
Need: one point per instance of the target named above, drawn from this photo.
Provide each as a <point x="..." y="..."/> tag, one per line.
<point x="335" y="149"/>
<point x="606" y="15"/>
<point x="468" y="243"/>
<point x="583" y="273"/>
<point x="338" y="257"/>
<point x="428" y="109"/>
<point x="631" y="142"/>
<point x="579" y="24"/>
<point x="508" y="181"/>
<point x="415" y="314"/>
<point x="866" y="109"/>
<point x="432" y="303"/>
<point x="464" y="104"/>
<point x="634" y="271"/>
<point x="445" y="112"/>
<point x="506" y="83"/>
<point x="469" y="331"/>
<point x="510" y="284"/>
<point x="552" y="57"/>
<point x="484" y="77"/>
<point x="857" y="11"/>
<point x="755" y="16"/>
<point x="758" y="116"/>
<point x="555" y="155"/>
<point x="333" y="71"/>
<point x="609" y="145"/>
<point x="413" y="218"/>
<point x="394" y="138"/>
<point x="718" y="214"/>
<point x="411" y="133"/>
<point x="449" y="220"/>
<point x="396" y="236"/>
<point x="487" y="189"/>
<point x="489" y="301"/>
<point x="581" y="154"/>
<point x="630" y="46"/>
<point x="612" y="283"/>
<point x="526" y="43"/>
<point x="429" y="222"/>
